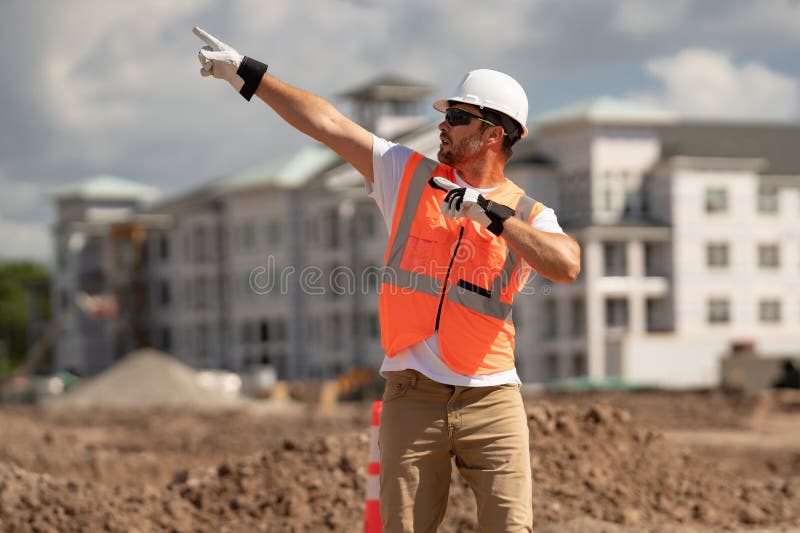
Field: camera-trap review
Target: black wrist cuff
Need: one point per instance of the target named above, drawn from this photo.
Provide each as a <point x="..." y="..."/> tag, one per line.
<point x="498" y="213"/>
<point x="251" y="71"/>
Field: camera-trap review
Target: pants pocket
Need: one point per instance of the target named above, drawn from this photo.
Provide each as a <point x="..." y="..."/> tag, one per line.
<point x="397" y="385"/>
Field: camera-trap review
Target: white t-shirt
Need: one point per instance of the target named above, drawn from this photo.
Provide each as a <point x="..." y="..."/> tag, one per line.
<point x="388" y="161"/>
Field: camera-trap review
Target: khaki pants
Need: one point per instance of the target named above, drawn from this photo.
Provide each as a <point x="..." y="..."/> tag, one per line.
<point x="424" y="424"/>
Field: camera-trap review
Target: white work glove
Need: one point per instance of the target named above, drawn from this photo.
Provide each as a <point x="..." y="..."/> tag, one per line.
<point x="469" y="203"/>
<point x="223" y="62"/>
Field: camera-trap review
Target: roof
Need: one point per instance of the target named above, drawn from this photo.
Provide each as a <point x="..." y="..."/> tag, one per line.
<point x="290" y="170"/>
<point x="776" y="142"/>
<point x="390" y="87"/>
<point x="105" y="187"/>
<point x="607" y="109"/>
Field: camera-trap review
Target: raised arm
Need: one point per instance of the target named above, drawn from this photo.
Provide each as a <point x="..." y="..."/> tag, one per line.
<point x="318" y="118"/>
<point x="307" y="112"/>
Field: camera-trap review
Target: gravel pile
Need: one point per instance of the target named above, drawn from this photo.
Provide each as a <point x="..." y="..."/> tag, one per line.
<point x="145" y="378"/>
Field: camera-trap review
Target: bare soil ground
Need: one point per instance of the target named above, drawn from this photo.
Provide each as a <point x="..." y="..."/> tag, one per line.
<point x="614" y="462"/>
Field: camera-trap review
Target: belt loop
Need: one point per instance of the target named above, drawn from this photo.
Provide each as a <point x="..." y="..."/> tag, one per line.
<point x="413" y="380"/>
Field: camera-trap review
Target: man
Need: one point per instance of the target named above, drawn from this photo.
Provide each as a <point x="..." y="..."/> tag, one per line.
<point x="462" y="240"/>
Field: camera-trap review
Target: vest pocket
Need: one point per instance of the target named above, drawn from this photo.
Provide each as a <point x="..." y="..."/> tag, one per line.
<point x="426" y="251"/>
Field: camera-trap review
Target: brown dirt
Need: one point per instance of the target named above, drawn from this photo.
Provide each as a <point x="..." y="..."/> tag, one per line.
<point x="602" y="462"/>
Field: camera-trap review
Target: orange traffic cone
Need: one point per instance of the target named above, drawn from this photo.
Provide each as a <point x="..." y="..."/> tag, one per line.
<point x="372" y="510"/>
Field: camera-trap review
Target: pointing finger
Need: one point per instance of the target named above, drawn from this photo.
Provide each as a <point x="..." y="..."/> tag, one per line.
<point x="209" y="39"/>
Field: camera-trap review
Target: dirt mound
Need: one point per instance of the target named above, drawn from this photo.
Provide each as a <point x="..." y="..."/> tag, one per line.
<point x="686" y="410"/>
<point x="144" y="378"/>
<point x="592" y="463"/>
<point x="596" y="462"/>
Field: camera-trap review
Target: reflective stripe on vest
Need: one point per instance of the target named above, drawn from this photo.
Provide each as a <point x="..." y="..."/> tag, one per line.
<point x="401" y="282"/>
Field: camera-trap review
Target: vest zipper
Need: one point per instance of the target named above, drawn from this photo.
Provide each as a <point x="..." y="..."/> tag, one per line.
<point x="446" y="277"/>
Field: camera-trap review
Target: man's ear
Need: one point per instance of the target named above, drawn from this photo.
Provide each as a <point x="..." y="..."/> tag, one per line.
<point x="495" y="135"/>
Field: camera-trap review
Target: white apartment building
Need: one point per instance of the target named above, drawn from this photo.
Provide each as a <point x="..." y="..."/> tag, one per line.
<point x="689" y="232"/>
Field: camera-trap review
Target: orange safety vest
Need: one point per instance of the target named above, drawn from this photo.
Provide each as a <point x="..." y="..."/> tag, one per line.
<point x="451" y="277"/>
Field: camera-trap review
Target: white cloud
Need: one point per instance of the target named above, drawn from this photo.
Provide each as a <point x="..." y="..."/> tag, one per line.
<point x="706" y="83"/>
<point x="123" y="49"/>
<point x="22" y="199"/>
<point x="774" y="18"/>
<point x="25" y="240"/>
<point x="25" y="212"/>
<point x="639" y="18"/>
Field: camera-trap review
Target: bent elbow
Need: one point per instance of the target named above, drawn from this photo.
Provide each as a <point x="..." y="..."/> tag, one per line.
<point x="572" y="271"/>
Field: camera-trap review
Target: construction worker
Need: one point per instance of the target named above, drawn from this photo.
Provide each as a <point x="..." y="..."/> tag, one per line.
<point x="462" y="240"/>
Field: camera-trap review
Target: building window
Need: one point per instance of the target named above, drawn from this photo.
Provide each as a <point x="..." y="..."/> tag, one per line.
<point x="248" y="237"/>
<point x="767" y="199"/>
<point x="549" y="320"/>
<point x="718" y="311"/>
<point x="579" y="364"/>
<point x="371" y="277"/>
<point x="632" y="201"/>
<point x="187" y="293"/>
<point x="202" y="344"/>
<point x="187" y="246"/>
<point x="200" y="293"/>
<point x="769" y="256"/>
<point x="617" y="313"/>
<point x="769" y="311"/>
<point x="656" y="259"/>
<point x="368" y="225"/>
<point x="274" y="233"/>
<point x="614" y="259"/>
<point x="657" y="311"/>
<point x="166" y="339"/>
<point x="374" y="326"/>
<point x="716" y="200"/>
<point x="247" y="333"/>
<point x="331" y="228"/>
<point x="337" y="336"/>
<point x="607" y="198"/>
<point x="578" y="317"/>
<point x="163" y="247"/>
<point x="264" y="331"/>
<point x="551" y="366"/>
<point x="200" y="245"/>
<point x="717" y="254"/>
<point x="164" y="293"/>
<point x="247" y="288"/>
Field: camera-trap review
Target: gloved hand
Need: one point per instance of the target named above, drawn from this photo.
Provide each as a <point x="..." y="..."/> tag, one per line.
<point x="223" y="62"/>
<point x="469" y="203"/>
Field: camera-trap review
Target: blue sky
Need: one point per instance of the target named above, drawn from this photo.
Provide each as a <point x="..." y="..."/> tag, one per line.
<point x="100" y="87"/>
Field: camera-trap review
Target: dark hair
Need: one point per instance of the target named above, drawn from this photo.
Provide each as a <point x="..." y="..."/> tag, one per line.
<point x="510" y="127"/>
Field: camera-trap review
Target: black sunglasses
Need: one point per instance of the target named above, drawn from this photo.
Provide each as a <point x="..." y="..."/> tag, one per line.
<point x="456" y="116"/>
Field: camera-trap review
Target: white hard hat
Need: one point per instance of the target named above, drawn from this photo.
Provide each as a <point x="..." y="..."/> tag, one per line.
<point x="493" y="90"/>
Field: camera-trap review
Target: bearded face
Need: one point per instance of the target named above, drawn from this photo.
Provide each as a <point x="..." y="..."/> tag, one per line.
<point x="457" y="152"/>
